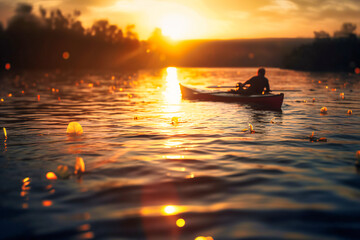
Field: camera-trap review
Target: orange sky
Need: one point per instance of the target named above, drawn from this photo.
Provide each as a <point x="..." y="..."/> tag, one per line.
<point x="210" y="19"/>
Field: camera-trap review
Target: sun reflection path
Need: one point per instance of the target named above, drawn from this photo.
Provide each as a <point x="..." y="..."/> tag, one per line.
<point x="169" y="210"/>
<point x="172" y="92"/>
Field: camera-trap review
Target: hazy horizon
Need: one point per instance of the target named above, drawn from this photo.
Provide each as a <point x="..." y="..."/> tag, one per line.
<point x="217" y="20"/>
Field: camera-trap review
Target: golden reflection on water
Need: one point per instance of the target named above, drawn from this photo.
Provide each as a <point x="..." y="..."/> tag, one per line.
<point x="165" y="210"/>
<point x="47" y="203"/>
<point x="173" y="156"/>
<point x="169" y="210"/>
<point x="85" y="232"/>
<point x="172" y="92"/>
<point x="25" y="188"/>
<point x="170" y="143"/>
<point x="204" y="238"/>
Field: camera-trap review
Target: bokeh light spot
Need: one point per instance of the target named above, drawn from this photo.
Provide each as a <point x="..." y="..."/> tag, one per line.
<point x="66" y="55"/>
<point x="47" y="203"/>
<point x="7" y="66"/>
<point x="180" y="222"/>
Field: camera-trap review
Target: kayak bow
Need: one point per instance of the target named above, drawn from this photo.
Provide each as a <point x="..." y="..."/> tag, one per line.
<point x="266" y="101"/>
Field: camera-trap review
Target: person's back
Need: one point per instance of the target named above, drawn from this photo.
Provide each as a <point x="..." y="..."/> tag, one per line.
<point x="257" y="84"/>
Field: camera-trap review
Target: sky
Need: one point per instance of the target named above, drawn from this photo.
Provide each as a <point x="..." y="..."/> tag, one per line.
<point x="209" y="19"/>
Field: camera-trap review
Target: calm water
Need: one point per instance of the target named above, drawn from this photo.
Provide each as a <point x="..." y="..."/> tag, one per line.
<point x="144" y="173"/>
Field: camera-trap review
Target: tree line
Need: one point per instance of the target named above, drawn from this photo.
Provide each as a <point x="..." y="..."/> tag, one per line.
<point x="52" y="39"/>
<point x="341" y="52"/>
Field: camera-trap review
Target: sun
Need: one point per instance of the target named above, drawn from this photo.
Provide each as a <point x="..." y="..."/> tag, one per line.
<point x="175" y="26"/>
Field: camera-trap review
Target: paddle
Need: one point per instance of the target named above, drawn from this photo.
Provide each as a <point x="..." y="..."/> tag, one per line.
<point x="277" y="90"/>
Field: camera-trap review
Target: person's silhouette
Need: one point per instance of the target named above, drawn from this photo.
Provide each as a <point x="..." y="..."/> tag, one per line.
<point x="254" y="85"/>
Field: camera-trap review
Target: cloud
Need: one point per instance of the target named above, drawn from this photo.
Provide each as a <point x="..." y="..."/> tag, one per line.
<point x="88" y="3"/>
<point x="280" y="5"/>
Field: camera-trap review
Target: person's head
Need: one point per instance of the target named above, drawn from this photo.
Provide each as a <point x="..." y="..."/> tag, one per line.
<point x="261" y="72"/>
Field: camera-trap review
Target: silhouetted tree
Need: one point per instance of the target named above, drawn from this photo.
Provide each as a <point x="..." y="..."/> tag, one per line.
<point x="321" y="35"/>
<point x="39" y="41"/>
<point x="42" y="12"/>
<point x="347" y="30"/>
<point x="341" y="53"/>
<point x="129" y="32"/>
<point x="23" y="20"/>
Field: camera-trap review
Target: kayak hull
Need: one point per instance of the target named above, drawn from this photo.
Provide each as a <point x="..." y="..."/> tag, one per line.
<point x="267" y="101"/>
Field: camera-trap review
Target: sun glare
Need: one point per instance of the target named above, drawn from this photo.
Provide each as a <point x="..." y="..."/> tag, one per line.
<point x="172" y="92"/>
<point x="174" y="26"/>
<point x="169" y="210"/>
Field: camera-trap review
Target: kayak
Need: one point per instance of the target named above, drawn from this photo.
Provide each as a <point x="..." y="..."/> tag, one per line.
<point x="266" y="101"/>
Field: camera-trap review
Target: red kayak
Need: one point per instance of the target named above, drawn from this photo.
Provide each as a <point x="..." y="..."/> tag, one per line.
<point x="266" y="101"/>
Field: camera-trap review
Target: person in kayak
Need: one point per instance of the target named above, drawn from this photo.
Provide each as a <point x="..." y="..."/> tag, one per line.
<point x="255" y="85"/>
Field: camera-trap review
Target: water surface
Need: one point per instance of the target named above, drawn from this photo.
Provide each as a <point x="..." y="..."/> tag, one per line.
<point x="152" y="158"/>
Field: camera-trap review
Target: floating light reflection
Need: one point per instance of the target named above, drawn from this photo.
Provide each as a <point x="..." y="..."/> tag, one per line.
<point x="51" y="176"/>
<point x="87" y="235"/>
<point x="74" y="128"/>
<point x="323" y="110"/>
<point x="47" y="203"/>
<point x="174" y="120"/>
<point x="204" y="238"/>
<point x="27" y="179"/>
<point x="190" y="176"/>
<point x="79" y="165"/>
<point x="25" y="187"/>
<point x="180" y="222"/>
<point x="251" y="128"/>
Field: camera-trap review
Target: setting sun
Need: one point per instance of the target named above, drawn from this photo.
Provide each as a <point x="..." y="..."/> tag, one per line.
<point x="174" y="26"/>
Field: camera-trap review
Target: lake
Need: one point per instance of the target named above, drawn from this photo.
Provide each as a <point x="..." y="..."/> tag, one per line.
<point x="160" y="167"/>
